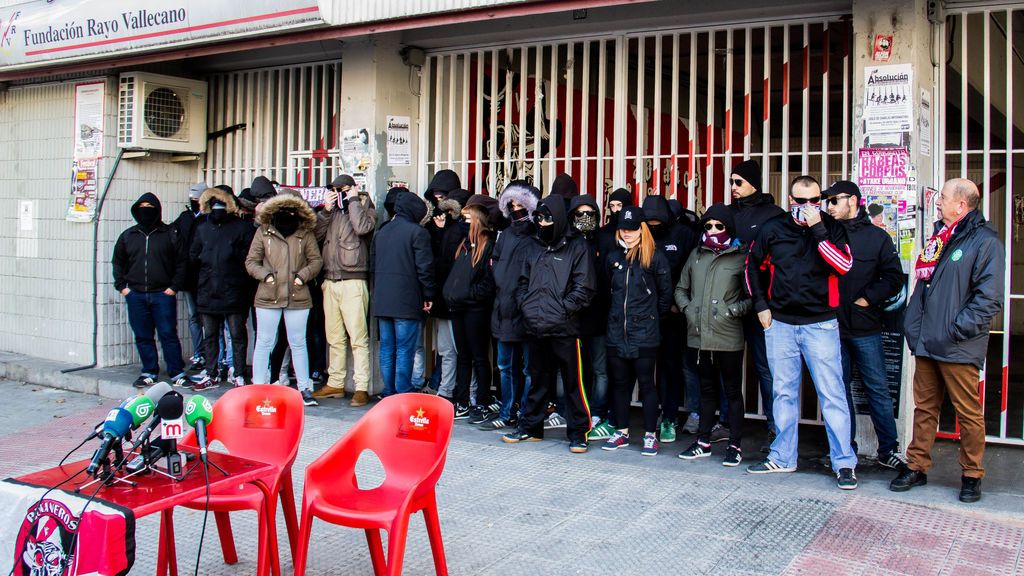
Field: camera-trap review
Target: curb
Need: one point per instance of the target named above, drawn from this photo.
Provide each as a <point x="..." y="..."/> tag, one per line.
<point x="103" y="382"/>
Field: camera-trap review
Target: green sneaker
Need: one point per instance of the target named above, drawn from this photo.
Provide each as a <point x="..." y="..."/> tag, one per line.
<point x="668" y="432"/>
<point x="602" y="431"/>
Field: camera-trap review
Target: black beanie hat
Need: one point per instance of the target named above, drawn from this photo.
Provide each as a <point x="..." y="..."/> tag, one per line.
<point x="750" y="171"/>
<point x="630" y="218"/>
<point x="723" y="214"/>
<point x="622" y="195"/>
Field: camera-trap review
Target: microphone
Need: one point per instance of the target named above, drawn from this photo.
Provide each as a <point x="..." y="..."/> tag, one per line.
<point x="117" y="424"/>
<point x="172" y="428"/>
<point x="198" y="414"/>
<point x="141" y="408"/>
<point x="97" y="430"/>
<point x="158" y="391"/>
<point x="167" y="400"/>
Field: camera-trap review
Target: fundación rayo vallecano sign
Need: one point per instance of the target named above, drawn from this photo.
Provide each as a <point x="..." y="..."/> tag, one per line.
<point x="45" y="32"/>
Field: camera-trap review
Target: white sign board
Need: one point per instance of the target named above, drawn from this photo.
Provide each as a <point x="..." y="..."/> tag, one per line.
<point x="888" y="99"/>
<point x="399" y="141"/>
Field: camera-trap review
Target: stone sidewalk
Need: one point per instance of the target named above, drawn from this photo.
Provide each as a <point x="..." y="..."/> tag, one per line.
<point x="536" y="509"/>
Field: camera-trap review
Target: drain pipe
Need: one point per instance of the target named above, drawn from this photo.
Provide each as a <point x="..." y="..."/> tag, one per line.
<point x="95" y="264"/>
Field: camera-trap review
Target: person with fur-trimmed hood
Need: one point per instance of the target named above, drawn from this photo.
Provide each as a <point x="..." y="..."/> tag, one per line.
<point x="517" y="203"/>
<point x="284" y="258"/>
<point x="218" y="251"/>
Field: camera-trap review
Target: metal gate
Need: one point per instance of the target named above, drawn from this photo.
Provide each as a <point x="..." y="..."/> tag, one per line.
<point x="281" y="123"/>
<point x="665" y="112"/>
<point x="979" y="127"/>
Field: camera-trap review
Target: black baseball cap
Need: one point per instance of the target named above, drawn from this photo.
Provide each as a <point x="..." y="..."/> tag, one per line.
<point x="630" y="218"/>
<point x="842" y="187"/>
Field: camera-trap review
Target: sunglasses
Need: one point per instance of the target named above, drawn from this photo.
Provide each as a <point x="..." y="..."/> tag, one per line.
<point x="709" y="227"/>
<point x="738" y="182"/>
<point x="835" y="199"/>
<point x="812" y="200"/>
<point x="539" y="217"/>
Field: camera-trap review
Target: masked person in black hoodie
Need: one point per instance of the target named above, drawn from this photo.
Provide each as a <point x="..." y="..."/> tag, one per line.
<point x="752" y="209"/>
<point x="517" y="202"/>
<point x="676" y="242"/>
<point x="219" y="248"/>
<point x="469" y="293"/>
<point x="186" y="224"/>
<point x="149" y="269"/>
<point x="447" y="229"/>
<point x="641" y="293"/>
<point x="556" y="283"/>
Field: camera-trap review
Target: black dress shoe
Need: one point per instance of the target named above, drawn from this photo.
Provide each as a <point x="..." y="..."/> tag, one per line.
<point x="970" y="489"/>
<point x="908" y="479"/>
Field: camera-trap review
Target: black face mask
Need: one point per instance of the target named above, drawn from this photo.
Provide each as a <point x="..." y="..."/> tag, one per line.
<point x="546" y="234"/>
<point x="218" y="215"/>
<point x="194" y="205"/>
<point x="519" y="215"/>
<point x="286" y="223"/>
<point x="464" y="225"/>
<point x="658" y="231"/>
<point x="147" y="216"/>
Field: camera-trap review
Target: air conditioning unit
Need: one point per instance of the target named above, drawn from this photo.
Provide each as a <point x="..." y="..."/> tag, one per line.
<point x="161" y="113"/>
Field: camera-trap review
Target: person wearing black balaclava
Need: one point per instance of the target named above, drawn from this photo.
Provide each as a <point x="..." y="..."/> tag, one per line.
<point x="557" y="282"/>
<point x="752" y="208"/>
<point x="606" y="242"/>
<point x="284" y="257"/>
<point x="218" y="254"/>
<point x="149" y="269"/>
<point x="676" y="242"/>
<point x="446" y="234"/>
<point x="186" y="224"/>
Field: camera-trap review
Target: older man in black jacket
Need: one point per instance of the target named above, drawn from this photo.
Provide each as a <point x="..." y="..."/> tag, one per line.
<point x="557" y="283"/>
<point x="875" y="277"/>
<point x="403" y="288"/>
<point x="960" y="283"/>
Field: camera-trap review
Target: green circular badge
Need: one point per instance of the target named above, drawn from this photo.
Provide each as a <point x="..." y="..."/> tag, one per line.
<point x="957" y="254"/>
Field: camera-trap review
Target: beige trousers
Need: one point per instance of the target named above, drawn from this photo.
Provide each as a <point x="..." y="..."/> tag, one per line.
<point x="346" y="303"/>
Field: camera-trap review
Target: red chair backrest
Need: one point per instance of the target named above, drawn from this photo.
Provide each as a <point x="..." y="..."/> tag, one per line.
<point x="409" y="433"/>
<point x="261" y="422"/>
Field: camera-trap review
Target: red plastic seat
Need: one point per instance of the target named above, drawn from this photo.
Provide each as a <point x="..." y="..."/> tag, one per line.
<point x="409" y="433"/>
<point x="260" y="422"/>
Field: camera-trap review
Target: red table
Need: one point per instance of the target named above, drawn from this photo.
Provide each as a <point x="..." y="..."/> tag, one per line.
<point x="157" y="493"/>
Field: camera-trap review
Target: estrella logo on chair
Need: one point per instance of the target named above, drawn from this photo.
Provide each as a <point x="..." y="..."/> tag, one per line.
<point x="267" y="408"/>
<point x="418" y="419"/>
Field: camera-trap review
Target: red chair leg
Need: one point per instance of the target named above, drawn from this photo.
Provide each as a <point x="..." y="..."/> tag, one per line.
<point x="291" y="520"/>
<point x="434" y="532"/>
<point x="261" y="546"/>
<point x="376" y="551"/>
<point x="275" y="562"/>
<point x="170" y="561"/>
<point x="227" y="539"/>
<point x="302" y="546"/>
<point x="161" y="549"/>
<point x="396" y="543"/>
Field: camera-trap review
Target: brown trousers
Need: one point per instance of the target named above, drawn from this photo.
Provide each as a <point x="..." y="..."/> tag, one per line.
<point x="932" y="380"/>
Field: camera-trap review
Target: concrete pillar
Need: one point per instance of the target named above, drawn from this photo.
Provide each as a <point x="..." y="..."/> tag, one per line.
<point x="907" y="22"/>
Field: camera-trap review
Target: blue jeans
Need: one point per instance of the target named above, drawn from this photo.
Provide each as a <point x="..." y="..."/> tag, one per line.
<point x="507" y="352"/>
<point x="149" y="311"/>
<point x="195" y="324"/>
<point x="755" y="336"/>
<point x="599" y="388"/>
<point x="867" y="352"/>
<point x="818" y="344"/>
<point x="398" y="340"/>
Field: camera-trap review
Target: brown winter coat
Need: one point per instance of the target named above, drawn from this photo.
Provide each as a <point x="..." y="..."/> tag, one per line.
<point x="346" y="239"/>
<point x="271" y="254"/>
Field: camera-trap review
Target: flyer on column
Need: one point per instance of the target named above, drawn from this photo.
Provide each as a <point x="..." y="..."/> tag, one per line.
<point x="399" y="141"/>
<point x="883" y="177"/>
<point x="88" y="138"/>
<point x="888" y="99"/>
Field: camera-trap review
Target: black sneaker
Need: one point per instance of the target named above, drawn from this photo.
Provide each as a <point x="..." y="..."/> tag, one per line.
<point x="733" y="456"/>
<point x="908" y="479"/>
<point x="307" y="398"/>
<point x="197" y="363"/>
<point x="496" y="423"/>
<point x="696" y="450"/>
<point x="970" y="489"/>
<point x="578" y="446"/>
<point x="317" y="377"/>
<point x="519" y="436"/>
<point x="892" y="460"/>
<point x="461" y="412"/>
<point x="846" y="479"/>
<point x="144" y="381"/>
<point x="720" y="433"/>
<point x="767" y="466"/>
<point x="223" y="374"/>
<point x="479" y="414"/>
<point x="767" y="447"/>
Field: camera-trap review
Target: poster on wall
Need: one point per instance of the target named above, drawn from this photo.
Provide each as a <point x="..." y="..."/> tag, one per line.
<point x="883" y="175"/>
<point x="84" y="181"/>
<point x="924" y="124"/>
<point x="355" y="156"/>
<point x="88" y="138"/>
<point x="399" y="141"/>
<point x="888" y="100"/>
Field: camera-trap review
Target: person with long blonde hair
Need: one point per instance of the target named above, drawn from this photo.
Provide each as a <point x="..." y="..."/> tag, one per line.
<point x="641" y="293"/>
<point x="469" y="292"/>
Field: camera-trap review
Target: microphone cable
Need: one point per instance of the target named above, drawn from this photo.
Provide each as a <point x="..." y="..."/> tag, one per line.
<point x="206" y="513"/>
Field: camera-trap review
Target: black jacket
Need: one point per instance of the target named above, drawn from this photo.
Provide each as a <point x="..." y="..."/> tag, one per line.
<point x="557" y="280"/>
<point x="470" y="287"/>
<point x="403" y="265"/>
<point x="592" y="317"/>
<point x="444" y="243"/>
<point x="875" y="276"/>
<point x="948" y="317"/>
<point x="802" y="265"/>
<point x="149" y="261"/>
<point x="751" y="213"/>
<point x="639" y="297"/>
<point x="676" y="241"/>
<point x="514" y="244"/>
<point x="218" y="255"/>
<point x="186" y="223"/>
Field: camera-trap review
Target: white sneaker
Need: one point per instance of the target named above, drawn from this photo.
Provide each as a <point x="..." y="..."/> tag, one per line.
<point x="692" y="425"/>
<point x="238" y="381"/>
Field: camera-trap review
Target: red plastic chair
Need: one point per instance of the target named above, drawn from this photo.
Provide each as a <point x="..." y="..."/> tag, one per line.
<point x="260" y="422"/>
<point x="409" y="433"/>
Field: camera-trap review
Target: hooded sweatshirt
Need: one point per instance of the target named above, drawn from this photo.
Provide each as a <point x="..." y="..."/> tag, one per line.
<point x="149" y="258"/>
<point x="674" y="240"/>
<point x="594" y="315"/>
<point x="403" y="264"/>
<point x="218" y="253"/>
<point x="558" y="279"/>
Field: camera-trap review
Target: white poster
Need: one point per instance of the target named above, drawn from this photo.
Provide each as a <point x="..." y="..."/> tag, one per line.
<point x="399" y="141"/>
<point x="89" y="120"/>
<point x="924" y="123"/>
<point x="888" y="99"/>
